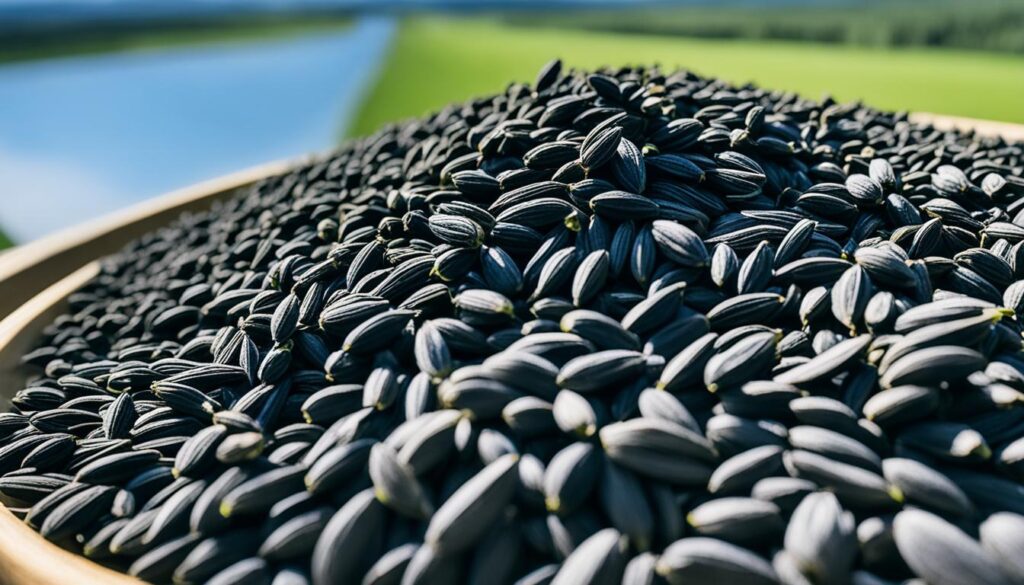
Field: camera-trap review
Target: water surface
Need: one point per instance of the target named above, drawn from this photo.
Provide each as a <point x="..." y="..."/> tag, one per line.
<point x="83" y="136"/>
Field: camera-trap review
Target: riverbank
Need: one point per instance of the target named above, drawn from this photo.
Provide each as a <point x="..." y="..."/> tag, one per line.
<point x="96" y="39"/>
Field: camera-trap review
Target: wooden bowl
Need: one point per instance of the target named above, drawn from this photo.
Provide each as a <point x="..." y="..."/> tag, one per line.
<point x="35" y="282"/>
<point x="33" y="292"/>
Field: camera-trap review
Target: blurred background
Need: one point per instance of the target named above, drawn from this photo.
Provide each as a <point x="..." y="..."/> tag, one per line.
<point x="104" y="103"/>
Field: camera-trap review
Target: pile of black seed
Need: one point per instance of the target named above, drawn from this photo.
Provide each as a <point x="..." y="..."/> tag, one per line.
<point x="617" y="327"/>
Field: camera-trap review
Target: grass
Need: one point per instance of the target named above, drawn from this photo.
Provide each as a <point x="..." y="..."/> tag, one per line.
<point x="435" y="62"/>
<point x="991" y="25"/>
<point x="5" y="242"/>
<point x="107" y="39"/>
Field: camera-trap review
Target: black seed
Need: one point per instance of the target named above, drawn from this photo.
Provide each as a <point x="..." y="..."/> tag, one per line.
<point x="261" y="492"/>
<point x="199" y="452"/>
<point x="642" y="255"/>
<point x="926" y="487"/>
<point x="600" y="146"/>
<point x="119" y="417"/>
<point x="737" y="520"/>
<point x="655" y="310"/>
<point x="821" y="538"/>
<point x="575" y="414"/>
<point x="827" y="364"/>
<point x="285" y="319"/>
<point x="77" y="512"/>
<point x="598" y="559"/>
<point x="741" y="362"/>
<point x="941" y="552"/>
<point x="214" y="554"/>
<point x="659" y="449"/>
<point x="159" y="563"/>
<point x="745" y="309"/>
<point x="590" y="277"/>
<point x="115" y="468"/>
<point x="598" y="370"/>
<point x="601" y="330"/>
<point x="680" y="244"/>
<point x="395" y="484"/>
<point x="708" y="559"/>
<point x="854" y="485"/>
<point x="932" y="366"/>
<point x="744" y="471"/>
<point x="172" y="517"/>
<point x="472" y="509"/>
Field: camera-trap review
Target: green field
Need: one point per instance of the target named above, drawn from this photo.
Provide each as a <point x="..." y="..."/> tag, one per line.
<point x="4" y="241"/>
<point x="990" y="25"/>
<point x="438" y="61"/>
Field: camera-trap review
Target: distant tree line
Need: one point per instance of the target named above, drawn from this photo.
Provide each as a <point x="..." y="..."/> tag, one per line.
<point x="84" y="36"/>
<point x="990" y="25"/>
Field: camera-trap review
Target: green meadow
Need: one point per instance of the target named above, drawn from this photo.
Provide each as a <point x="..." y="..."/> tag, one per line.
<point x="435" y="61"/>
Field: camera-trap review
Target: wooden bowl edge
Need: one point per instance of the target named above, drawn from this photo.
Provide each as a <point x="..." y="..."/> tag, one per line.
<point x="26" y="558"/>
<point x="28" y="269"/>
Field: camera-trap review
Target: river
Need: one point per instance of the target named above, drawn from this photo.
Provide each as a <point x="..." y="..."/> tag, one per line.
<point x="83" y="136"/>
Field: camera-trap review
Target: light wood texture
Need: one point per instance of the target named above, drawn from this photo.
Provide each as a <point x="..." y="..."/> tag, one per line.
<point x="25" y="557"/>
<point x="26" y="270"/>
<point x="1010" y="132"/>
